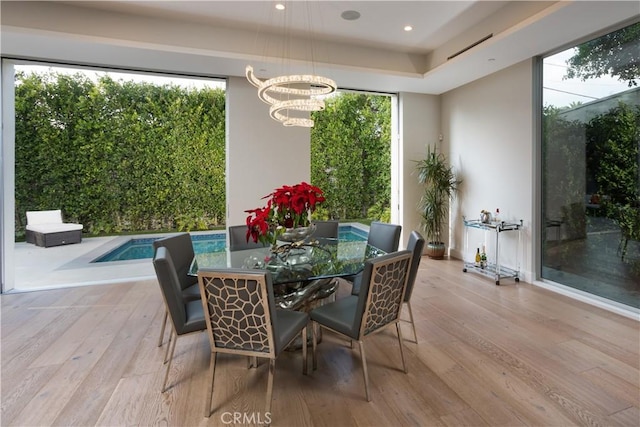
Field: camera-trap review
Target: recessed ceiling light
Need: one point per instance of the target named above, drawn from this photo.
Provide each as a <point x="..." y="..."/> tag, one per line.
<point x="350" y="15"/>
<point x="279" y="6"/>
<point x="408" y="28"/>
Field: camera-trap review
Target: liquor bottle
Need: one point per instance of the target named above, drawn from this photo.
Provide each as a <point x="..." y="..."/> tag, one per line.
<point x="478" y="258"/>
<point x="483" y="258"/>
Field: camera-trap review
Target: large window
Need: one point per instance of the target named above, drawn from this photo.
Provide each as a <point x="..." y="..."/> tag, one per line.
<point x="119" y="151"/>
<point x="591" y="167"/>
<point x="133" y="152"/>
<point x="351" y="156"/>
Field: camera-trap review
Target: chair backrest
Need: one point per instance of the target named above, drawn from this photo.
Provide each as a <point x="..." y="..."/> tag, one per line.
<point x="44" y="217"/>
<point x="328" y="229"/>
<point x="180" y="247"/>
<point x="239" y="309"/>
<point x="381" y="296"/>
<point x="416" y="246"/>
<point x="384" y="236"/>
<point x="186" y="317"/>
<point x="238" y="239"/>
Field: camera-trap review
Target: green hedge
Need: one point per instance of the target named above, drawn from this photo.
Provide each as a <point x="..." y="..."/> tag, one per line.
<point x="119" y="156"/>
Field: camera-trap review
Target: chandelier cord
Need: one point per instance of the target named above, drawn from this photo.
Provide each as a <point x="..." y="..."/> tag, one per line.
<point x="289" y="93"/>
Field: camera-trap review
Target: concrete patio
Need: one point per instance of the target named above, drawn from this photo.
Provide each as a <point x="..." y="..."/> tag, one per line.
<point x="38" y="268"/>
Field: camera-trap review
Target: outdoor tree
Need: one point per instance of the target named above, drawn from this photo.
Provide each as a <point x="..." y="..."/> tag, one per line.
<point x="613" y="159"/>
<point x="616" y="54"/>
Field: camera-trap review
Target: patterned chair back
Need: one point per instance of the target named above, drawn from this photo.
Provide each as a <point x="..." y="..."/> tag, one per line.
<point x="239" y="306"/>
<point x="381" y="297"/>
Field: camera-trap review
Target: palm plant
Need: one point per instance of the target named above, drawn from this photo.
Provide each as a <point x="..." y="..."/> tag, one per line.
<point x="440" y="185"/>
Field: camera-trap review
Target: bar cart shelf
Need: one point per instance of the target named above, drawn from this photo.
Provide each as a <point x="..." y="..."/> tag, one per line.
<point x="493" y="269"/>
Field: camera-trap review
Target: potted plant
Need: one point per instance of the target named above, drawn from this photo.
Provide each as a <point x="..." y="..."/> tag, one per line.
<point x="440" y="185"/>
<point x="287" y="215"/>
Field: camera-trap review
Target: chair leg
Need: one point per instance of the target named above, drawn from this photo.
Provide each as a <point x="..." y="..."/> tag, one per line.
<point x="212" y="376"/>
<point x="272" y="370"/>
<point x="166" y="375"/>
<point x="404" y="363"/>
<point x="314" y="345"/>
<point x="305" y="359"/>
<point x="364" y="370"/>
<point x="166" y="351"/>
<point x="164" y="325"/>
<point x="413" y="325"/>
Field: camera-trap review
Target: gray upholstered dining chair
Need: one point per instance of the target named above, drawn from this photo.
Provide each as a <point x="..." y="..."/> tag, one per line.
<point x="327" y="229"/>
<point x="378" y="305"/>
<point x="383" y="236"/>
<point x="180" y="246"/>
<point x="186" y="316"/>
<point x="238" y="239"/>
<point x="416" y="246"/>
<point x="242" y="318"/>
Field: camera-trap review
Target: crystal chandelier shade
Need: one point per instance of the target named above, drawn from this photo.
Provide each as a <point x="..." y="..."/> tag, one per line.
<point x="290" y="94"/>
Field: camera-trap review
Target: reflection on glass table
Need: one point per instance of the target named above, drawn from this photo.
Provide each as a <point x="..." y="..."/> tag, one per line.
<point x="301" y="272"/>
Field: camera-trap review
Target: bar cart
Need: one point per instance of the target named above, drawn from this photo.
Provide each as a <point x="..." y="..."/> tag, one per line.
<point x="493" y="269"/>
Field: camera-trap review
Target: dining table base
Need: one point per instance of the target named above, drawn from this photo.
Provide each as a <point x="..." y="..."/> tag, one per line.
<point x="303" y="296"/>
<point x="309" y="296"/>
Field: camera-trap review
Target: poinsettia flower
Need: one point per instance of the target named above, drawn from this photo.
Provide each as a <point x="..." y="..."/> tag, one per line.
<point x="287" y="207"/>
<point x="299" y="203"/>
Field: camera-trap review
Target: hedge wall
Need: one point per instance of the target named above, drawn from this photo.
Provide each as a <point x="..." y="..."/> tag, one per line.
<point x="119" y="156"/>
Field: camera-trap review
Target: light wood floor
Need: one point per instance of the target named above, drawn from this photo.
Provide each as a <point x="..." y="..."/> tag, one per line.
<point x="487" y="355"/>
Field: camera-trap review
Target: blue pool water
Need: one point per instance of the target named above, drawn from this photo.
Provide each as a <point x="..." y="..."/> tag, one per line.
<point x="142" y="248"/>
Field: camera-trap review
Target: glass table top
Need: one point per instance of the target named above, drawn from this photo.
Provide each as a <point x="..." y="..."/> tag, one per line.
<point x="324" y="258"/>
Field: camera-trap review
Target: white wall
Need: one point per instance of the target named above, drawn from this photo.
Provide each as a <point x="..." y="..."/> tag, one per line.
<point x="488" y="136"/>
<point x="262" y="154"/>
<point x="419" y="126"/>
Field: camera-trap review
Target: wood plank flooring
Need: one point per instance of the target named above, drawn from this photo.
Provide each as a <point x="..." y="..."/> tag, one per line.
<point x="509" y="355"/>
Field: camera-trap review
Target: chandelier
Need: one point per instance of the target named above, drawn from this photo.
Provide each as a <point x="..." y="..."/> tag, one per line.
<point x="292" y="97"/>
<point x="292" y="93"/>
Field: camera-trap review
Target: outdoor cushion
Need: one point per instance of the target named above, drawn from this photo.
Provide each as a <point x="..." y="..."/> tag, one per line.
<point x="44" y="217"/>
<point x="53" y="228"/>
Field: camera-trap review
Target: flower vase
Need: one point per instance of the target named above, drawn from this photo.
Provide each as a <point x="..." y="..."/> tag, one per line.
<point x="297" y="234"/>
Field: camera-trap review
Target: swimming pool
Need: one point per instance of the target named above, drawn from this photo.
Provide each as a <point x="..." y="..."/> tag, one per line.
<point x="142" y="248"/>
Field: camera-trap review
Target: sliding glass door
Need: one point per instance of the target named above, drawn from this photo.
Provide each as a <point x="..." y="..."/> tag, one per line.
<point x="591" y="167"/>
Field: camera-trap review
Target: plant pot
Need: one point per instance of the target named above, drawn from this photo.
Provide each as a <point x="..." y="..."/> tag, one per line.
<point x="435" y="250"/>
<point x="296" y="234"/>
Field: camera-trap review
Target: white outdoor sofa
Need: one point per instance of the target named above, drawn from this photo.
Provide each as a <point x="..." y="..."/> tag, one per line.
<point x="45" y="228"/>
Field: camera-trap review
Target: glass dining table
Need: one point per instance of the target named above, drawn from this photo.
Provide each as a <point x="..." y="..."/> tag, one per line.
<point x="302" y="273"/>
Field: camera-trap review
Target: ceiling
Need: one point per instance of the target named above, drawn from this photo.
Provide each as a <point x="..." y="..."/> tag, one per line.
<point x="371" y="53"/>
<point x="380" y="25"/>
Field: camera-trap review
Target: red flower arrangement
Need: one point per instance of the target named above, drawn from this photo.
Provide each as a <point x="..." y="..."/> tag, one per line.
<point x="287" y="207"/>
